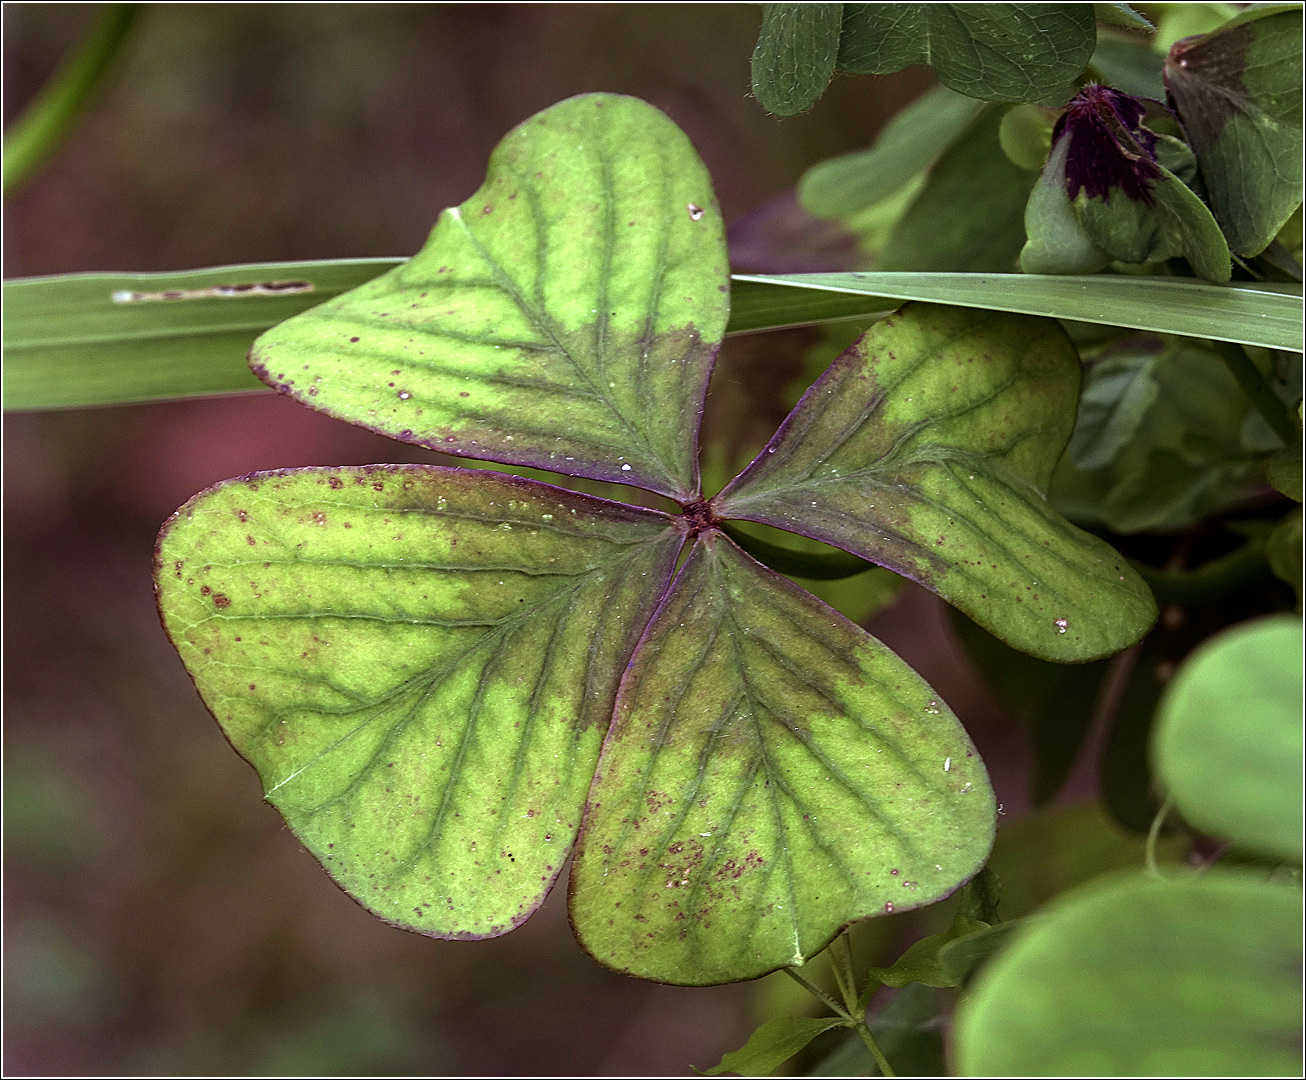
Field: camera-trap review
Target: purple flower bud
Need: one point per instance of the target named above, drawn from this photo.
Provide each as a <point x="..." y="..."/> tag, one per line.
<point x="1109" y="147"/>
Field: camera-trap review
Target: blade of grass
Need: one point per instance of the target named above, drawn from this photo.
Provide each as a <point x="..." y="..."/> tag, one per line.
<point x="68" y="342"/>
<point x="41" y="128"/>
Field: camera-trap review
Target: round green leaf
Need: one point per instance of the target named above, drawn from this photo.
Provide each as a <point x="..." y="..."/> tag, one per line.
<point x="420" y="663"/>
<point x="586" y="278"/>
<point x="998" y="52"/>
<point x="1228" y="744"/>
<point x="795" y="53"/>
<point x="773" y="774"/>
<point x="1138" y="976"/>
<point x="926" y="448"/>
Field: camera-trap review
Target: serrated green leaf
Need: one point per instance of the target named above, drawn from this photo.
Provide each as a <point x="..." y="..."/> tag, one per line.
<point x="420" y="663"/>
<point x="1228" y="742"/>
<point x="1262" y="313"/>
<point x="915" y="137"/>
<point x="926" y="448"/>
<point x="794" y="58"/>
<point x="1135" y="976"/>
<point x="1238" y="93"/>
<point x="968" y="216"/>
<point x="772" y="1044"/>
<point x="997" y="52"/>
<point x="586" y="278"/>
<point x="773" y="773"/>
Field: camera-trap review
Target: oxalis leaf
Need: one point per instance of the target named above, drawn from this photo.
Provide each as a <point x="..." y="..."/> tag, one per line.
<point x="443" y="675"/>
<point x="586" y="278"/>
<point x="927" y="448"/>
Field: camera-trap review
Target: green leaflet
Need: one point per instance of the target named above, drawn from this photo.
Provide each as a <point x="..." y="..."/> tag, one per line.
<point x="1238" y="92"/>
<point x="997" y="52"/>
<point x="534" y="327"/>
<point x="773" y="774"/>
<point x="1138" y="976"/>
<point x="795" y="53"/>
<point x="772" y="1044"/>
<point x="909" y="143"/>
<point x="926" y="448"/>
<point x="1228" y="742"/>
<point x="420" y="663"/>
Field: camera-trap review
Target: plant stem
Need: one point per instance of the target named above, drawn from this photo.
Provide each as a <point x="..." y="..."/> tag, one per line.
<point x="41" y="128"/>
<point x="1262" y="396"/>
<point x="1153" y="834"/>
<point x="817" y="992"/>
<point x="865" y="1032"/>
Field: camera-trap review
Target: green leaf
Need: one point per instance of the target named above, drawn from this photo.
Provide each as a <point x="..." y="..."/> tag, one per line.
<point x="960" y="959"/>
<point x="997" y="52"/>
<point x="1238" y="93"/>
<point x="794" y="58"/>
<point x="1136" y="976"/>
<point x="1185" y="459"/>
<point x="1228" y="743"/>
<point x="1175" y="222"/>
<point x="420" y="663"/>
<point x="772" y="1044"/>
<point x="1120" y="15"/>
<point x="926" y="448"/>
<point x="1260" y="313"/>
<point x="1175" y="21"/>
<point x="969" y="215"/>
<point x="1283" y="470"/>
<point x="100" y="339"/>
<point x="921" y="963"/>
<point x="773" y="773"/>
<point x="1025" y="136"/>
<point x="909" y="143"/>
<point x="586" y="278"/>
<point x="1057" y="240"/>
<point x="1130" y="65"/>
<point x="1118" y="392"/>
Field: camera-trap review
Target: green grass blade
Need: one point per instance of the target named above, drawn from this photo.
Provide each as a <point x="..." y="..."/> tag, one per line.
<point x="68" y="341"/>
<point x="1261" y="313"/>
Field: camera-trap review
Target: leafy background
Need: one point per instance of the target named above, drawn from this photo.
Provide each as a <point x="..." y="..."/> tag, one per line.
<point x="159" y="918"/>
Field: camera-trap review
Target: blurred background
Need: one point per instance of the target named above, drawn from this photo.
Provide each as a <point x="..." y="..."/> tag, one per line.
<point x="159" y="917"/>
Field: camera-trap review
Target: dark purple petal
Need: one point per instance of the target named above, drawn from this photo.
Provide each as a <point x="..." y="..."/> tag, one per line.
<point x="1109" y="147"/>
